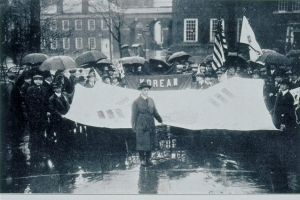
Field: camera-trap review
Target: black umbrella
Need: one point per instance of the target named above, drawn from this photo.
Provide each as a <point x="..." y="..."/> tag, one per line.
<point x="293" y="53"/>
<point x="34" y="59"/>
<point x="273" y="58"/>
<point x="179" y="56"/>
<point x="58" y="63"/>
<point x="133" y="60"/>
<point x="90" y="57"/>
<point x="157" y="62"/>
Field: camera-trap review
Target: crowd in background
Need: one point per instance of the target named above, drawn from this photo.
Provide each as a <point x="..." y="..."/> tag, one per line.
<point x="37" y="101"/>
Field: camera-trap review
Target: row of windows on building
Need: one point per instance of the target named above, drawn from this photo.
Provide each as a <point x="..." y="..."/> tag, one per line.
<point x="191" y="29"/>
<point x="91" y="25"/>
<point x="288" y="5"/>
<point x="66" y="43"/>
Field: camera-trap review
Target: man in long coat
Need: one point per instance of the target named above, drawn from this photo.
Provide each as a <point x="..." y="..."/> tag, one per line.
<point x="36" y="105"/>
<point x="142" y="121"/>
<point x="59" y="105"/>
<point x="283" y="113"/>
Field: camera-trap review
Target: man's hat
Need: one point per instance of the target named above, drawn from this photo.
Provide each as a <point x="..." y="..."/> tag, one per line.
<point x="91" y="75"/>
<point x="106" y="76"/>
<point x="144" y="85"/>
<point x="219" y="72"/>
<point x="12" y="77"/>
<point x="285" y="81"/>
<point x="200" y="75"/>
<point x="38" y="73"/>
<point x="56" y="85"/>
<point x="72" y="70"/>
<point x="27" y="75"/>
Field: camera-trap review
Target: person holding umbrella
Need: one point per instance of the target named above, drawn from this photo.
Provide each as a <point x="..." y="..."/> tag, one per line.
<point x="142" y="121"/>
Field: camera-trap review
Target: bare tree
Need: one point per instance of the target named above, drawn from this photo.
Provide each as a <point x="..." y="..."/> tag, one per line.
<point x="112" y="13"/>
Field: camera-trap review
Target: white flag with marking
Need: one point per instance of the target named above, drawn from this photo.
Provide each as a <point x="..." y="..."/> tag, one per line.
<point x="248" y="37"/>
<point x="235" y="104"/>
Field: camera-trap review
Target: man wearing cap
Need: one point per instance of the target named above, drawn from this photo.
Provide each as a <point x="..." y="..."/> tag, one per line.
<point x="36" y="103"/>
<point x="59" y="105"/>
<point x="283" y="113"/>
<point x="200" y="83"/>
<point x="73" y="79"/>
<point x="142" y="121"/>
<point x="295" y="81"/>
<point x="106" y="79"/>
<point x="90" y="82"/>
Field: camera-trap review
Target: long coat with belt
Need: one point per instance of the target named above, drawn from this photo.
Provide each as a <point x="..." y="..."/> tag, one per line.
<point x="142" y="121"/>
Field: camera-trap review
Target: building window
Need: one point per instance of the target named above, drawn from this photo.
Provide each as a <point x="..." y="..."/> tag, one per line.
<point x="66" y="43"/>
<point x="91" y="24"/>
<point x="53" y="44"/>
<point x="283" y="5"/>
<point x="78" y="25"/>
<point x="53" y="25"/>
<point x="65" y="25"/>
<point x="296" y="5"/>
<point x="104" y="25"/>
<point x="213" y="28"/>
<point x="190" y="30"/>
<point x="78" y="43"/>
<point x="92" y="43"/>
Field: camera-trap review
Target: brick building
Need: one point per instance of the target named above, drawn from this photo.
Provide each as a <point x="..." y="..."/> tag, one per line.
<point x="274" y="23"/>
<point x="76" y="28"/>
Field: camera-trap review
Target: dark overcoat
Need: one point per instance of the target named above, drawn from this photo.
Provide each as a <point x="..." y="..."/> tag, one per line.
<point x="36" y="101"/>
<point x="284" y="111"/>
<point x="59" y="106"/>
<point x="142" y="121"/>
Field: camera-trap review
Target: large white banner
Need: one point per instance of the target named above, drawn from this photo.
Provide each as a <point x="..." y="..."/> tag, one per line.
<point x="236" y="104"/>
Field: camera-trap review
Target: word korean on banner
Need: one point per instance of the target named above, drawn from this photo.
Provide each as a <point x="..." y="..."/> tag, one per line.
<point x="235" y="104"/>
<point x="160" y="82"/>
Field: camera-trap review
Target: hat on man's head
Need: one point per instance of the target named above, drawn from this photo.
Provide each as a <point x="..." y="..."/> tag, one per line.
<point x="144" y="85"/>
<point x="27" y="75"/>
<point x="56" y="85"/>
<point x="219" y="72"/>
<point x="72" y="70"/>
<point x="12" y="77"/>
<point x="285" y="81"/>
<point x="38" y="73"/>
<point x="200" y="75"/>
<point x="105" y="77"/>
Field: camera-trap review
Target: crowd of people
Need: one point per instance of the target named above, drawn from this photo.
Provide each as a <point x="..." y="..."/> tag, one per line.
<point x="37" y="101"/>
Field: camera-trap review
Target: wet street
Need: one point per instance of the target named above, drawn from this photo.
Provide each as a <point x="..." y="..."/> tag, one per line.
<point x="103" y="161"/>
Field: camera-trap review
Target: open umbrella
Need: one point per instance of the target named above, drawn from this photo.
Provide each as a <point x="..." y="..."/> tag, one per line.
<point x="293" y="53"/>
<point x="178" y="56"/>
<point x="273" y="58"/>
<point x="133" y="60"/>
<point x="58" y="62"/>
<point x="157" y="62"/>
<point x="89" y="57"/>
<point x="104" y="61"/>
<point x="208" y="58"/>
<point x="34" y="59"/>
<point x="268" y="51"/>
<point x="124" y="46"/>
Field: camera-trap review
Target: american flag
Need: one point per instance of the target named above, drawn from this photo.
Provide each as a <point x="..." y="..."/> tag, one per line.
<point x="220" y="47"/>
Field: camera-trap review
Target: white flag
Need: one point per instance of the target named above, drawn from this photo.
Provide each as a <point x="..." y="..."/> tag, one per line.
<point x="235" y="104"/>
<point x="248" y="37"/>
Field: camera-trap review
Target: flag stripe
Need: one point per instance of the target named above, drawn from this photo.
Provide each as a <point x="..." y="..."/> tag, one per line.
<point x="220" y="47"/>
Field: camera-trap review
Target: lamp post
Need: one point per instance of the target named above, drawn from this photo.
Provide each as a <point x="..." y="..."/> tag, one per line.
<point x="145" y="34"/>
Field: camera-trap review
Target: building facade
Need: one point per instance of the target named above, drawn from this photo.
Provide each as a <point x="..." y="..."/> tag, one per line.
<point x="72" y="26"/>
<point x="194" y="22"/>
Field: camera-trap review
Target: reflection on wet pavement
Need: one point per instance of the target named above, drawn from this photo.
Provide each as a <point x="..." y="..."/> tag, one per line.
<point x="185" y="162"/>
